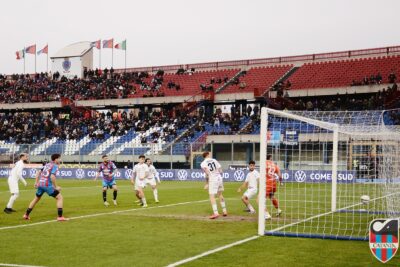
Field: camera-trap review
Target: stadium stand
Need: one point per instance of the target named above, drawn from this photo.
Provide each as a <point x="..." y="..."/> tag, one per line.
<point x="72" y="131"/>
<point x="261" y="78"/>
<point x="360" y="71"/>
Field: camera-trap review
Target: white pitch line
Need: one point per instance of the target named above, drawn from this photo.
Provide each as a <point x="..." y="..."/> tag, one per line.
<point x="63" y="188"/>
<point x="18" y="265"/>
<point x="255" y="237"/>
<point x="102" y="214"/>
<point x="212" y="251"/>
<point x="326" y="213"/>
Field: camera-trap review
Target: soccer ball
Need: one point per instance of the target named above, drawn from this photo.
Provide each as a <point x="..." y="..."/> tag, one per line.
<point x="365" y="199"/>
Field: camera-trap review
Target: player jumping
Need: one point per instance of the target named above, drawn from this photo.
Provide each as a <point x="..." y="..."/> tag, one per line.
<point x="214" y="183"/>
<point x="47" y="184"/>
<point x="272" y="171"/>
<point x="139" y="174"/>
<point x="108" y="167"/>
<point x="151" y="179"/>
<point x="251" y="184"/>
<point x="15" y="176"/>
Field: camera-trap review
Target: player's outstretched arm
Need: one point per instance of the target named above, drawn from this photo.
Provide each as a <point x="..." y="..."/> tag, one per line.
<point x="23" y="180"/>
<point x="53" y="180"/>
<point x="280" y="177"/>
<point x="157" y="175"/>
<point x="20" y="168"/>
<point x="97" y="176"/>
<point x="207" y="177"/>
<point x="244" y="185"/>
<point x="38" y="173"/>
<point x="133" y="178"/>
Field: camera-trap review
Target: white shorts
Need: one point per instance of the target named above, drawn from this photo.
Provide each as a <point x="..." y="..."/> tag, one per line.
<point x="215" y="186"/>
<point x="151" y="182"/>
<point x="140" y="184"/>
<point x="13" y="185"/>
<point x="250" y="193"/>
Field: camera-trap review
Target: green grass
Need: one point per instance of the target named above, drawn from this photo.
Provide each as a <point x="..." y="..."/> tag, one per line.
<point x="159" y="236"/>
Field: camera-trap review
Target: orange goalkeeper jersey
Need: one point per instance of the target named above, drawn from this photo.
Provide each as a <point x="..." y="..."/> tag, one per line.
<point x="272" y="171"/>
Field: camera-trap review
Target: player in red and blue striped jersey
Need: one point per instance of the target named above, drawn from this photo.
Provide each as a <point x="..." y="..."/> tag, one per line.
<point x="107" y="168"/>
<point x="46" y="183"/>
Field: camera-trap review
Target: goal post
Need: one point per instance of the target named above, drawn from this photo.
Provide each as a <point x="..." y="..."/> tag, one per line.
<point x="340" y="170"/>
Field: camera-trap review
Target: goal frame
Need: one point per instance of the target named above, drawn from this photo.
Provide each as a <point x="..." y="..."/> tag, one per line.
<point x="263" y="158"/>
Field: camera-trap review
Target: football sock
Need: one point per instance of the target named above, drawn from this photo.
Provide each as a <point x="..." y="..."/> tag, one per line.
<point x="275" y="203"/>
<point x="115" y="194"/>
<point x="215" y="209"/>
<point x="155" y="193"/>
<point x="144" y="201"/>
<point x="250" y="207"/>
<point x="60" y="212"/>
<point x="223" y="206"/>
<point x="104" y="196"/>
<point x="11" y="201"/>
<point x="28" y="211"/>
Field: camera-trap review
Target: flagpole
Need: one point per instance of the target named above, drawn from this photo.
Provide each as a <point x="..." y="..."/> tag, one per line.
<point x="112" y="56"/>
<point x="125" y="54"/>
<point x="23" y="53"/>
<point x="35" y="59"/>
<point x="47" y="59"/>
<point x="100" y="55"/>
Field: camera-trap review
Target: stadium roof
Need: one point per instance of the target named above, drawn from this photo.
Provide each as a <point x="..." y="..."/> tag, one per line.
<point x="73" y="50"/>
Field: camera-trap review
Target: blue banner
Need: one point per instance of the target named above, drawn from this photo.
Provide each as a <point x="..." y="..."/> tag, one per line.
<point x="291" y="138"/>
<point x="298" y="176"/>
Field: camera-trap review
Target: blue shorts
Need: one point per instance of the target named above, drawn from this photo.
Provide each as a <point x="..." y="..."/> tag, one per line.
<point x="109" y="184"/>
<point x="49" y="190"/>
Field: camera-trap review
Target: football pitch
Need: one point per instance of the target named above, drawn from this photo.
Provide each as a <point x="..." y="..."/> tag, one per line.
<point x="173" y="230"/>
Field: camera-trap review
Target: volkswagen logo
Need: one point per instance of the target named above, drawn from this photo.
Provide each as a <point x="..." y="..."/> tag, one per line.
<point x="300" y="176"/>
<point x="239" y="175"/>
<point x="80" y="173"/>
<point x="32" y="173"/>
<point x="128" y="173"/>
<point x="182" y="175"/>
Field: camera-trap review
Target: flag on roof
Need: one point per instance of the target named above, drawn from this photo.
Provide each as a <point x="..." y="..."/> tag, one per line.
<point x="96" y="44"/>
<point x="108" y="43"/>
<point x="121" y="45"/>
<point x="20" y="54"/>
<point x="44" y="50"/>
<point x="31" y="49"/>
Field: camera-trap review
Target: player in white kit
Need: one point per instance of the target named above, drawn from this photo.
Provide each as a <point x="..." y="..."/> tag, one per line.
<point x="151" y="179"/>
<point x="250" y="183"/>
<point x="15" y="176"/>
<point x="139" y="174"/>
<point x="214" y="183"/>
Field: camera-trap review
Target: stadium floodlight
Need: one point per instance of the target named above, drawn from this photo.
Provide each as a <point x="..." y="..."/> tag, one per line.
<point x="340" y="170"/>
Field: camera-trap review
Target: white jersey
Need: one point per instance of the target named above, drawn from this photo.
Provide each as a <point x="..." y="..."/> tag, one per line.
<point x="16" y="172"/>
<point x="252" y="179"/>
<point x="140" y="170"/>
<point x="153" y="173"/>
<point x="213" y="166"/>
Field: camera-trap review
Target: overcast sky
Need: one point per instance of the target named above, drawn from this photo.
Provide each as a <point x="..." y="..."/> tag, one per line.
<point x="161" y="32"/>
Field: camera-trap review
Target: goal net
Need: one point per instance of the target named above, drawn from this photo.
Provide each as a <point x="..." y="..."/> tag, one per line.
<point x="340" y="170"/>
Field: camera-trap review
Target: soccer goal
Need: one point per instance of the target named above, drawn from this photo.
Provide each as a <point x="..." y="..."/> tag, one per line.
<point x="340" y="170"/>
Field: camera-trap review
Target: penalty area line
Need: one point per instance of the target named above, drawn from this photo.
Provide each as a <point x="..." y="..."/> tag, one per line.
<point x="212" y="251"/>
<point x="102" y="214"/>
<point x="18" y="265"/>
